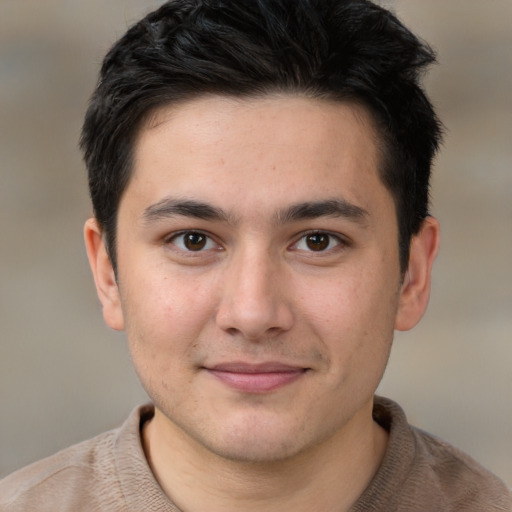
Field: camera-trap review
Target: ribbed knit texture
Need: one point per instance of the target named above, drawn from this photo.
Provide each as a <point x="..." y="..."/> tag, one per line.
<point x="109" y="473"/>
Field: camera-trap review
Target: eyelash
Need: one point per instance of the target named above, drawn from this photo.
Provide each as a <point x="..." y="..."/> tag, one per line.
<point x="209" y="243"/>
<point x="181" y="236"/>
<point x="339" y="242"/>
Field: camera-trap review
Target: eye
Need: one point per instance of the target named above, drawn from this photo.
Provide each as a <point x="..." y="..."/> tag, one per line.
<point x="192" y="241"/>
<point x="317" y="242"/>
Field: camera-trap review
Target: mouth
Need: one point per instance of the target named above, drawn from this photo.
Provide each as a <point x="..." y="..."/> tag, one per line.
<point x="256" y="378"/>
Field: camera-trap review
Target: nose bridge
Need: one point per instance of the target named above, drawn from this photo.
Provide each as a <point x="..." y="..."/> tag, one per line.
<point x="253" y="301"/>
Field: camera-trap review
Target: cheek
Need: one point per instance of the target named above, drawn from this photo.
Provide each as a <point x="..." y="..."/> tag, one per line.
<point x="163" y="323"/>
<point x="349" y="301"/>
<point x="164" y="317"/>
<point x="353" y="315"/>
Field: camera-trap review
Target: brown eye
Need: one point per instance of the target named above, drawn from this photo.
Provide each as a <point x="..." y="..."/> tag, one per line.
<point x="194" y="241"/>
<point x="318" y="241"/>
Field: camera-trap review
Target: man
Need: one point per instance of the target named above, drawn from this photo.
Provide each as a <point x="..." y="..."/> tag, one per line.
<point x="259" y="172"/>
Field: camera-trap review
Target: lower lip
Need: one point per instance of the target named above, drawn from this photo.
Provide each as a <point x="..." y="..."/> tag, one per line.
<point x="257" y="382"/>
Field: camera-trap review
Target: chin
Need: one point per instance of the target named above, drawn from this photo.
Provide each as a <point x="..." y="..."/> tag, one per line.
<point x="259" y="451"/>
<point x="259" y="441"/>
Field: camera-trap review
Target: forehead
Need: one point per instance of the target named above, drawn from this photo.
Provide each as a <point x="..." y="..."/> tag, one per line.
<point x="287" y="113"/>
<point x="294" y="147"/>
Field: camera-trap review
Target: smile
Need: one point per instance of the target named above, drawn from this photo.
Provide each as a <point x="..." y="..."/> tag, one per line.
<point x="256" y="378"/>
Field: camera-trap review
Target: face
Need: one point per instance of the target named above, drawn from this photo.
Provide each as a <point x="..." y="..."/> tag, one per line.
<point x="258" y="272"/>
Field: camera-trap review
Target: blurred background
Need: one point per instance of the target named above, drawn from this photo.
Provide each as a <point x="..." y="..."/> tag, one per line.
<point x="65" y="377"/>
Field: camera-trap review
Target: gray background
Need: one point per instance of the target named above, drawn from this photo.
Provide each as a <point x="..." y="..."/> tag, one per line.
<point x="65" y="377"/>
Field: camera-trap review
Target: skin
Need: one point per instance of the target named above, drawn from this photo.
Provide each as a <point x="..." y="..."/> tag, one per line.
<point x="259" y="287"/>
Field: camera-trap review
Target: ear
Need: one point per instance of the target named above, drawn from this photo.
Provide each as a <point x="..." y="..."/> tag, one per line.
<point x="415" y="290"/>
<point x="104" y="276"/>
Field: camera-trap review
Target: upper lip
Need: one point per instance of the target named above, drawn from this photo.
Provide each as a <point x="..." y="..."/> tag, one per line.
<point x="243" y="367"/>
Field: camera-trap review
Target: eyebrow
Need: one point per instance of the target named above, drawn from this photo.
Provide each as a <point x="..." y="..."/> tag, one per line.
<point x="327" y="208"/>
<point x="171" y="207"/>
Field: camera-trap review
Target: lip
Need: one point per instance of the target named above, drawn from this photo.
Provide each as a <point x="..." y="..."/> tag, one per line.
<point x="256" y="378"/>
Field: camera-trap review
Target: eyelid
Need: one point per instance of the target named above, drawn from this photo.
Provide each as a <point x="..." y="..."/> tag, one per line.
<point x="341" y="241"/>
<point x="169" y="240"/>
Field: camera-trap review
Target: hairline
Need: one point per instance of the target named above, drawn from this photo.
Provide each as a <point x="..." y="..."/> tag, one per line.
<point x="363" y="112"/>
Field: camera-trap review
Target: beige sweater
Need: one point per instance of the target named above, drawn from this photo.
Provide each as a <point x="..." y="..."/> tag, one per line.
<point x="109" y="473"/>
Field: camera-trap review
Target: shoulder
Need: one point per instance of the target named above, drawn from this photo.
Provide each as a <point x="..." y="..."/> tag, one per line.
<point x="63" y="477"/>
<point x="86" y="476"/>
<point x="465" y="483"/>
<point x="421" y="472"/>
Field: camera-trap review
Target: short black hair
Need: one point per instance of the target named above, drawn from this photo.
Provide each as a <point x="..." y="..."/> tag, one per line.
<point x="343" y="50"/>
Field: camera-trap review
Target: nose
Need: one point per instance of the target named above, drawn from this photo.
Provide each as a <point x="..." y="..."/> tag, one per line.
<point x="254" y="301"/>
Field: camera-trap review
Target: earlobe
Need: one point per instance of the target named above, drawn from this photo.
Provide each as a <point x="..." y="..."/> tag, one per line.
<point x="104" y="276"/>
<point x="415" y="290"/>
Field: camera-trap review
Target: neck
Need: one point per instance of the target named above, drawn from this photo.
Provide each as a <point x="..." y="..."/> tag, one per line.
<point x="330" y="476"/>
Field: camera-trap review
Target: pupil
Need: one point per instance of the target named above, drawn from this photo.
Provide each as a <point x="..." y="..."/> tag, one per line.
<point x="317" y="242"/>
<point x="195" y="241"/>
